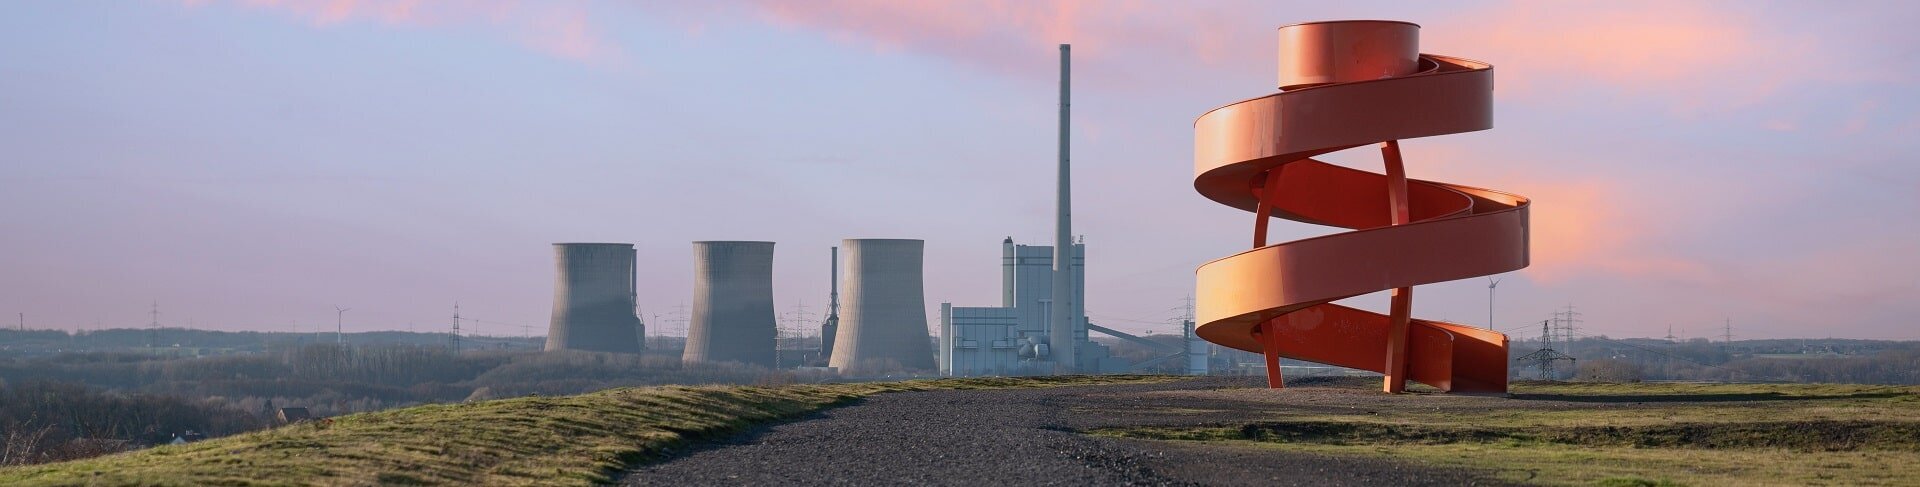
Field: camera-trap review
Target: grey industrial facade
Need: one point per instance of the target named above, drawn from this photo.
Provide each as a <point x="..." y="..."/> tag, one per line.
<point x="1013" y="338"/>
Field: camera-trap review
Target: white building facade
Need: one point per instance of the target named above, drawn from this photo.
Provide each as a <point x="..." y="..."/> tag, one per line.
<point x="1011" y="339"/>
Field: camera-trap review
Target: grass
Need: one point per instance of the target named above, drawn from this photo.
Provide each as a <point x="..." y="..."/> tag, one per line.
<point x="1623" y="434"/>
<point x="567" y="440"/>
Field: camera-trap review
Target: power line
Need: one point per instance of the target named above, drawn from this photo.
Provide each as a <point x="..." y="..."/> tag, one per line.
<point x="1517" y="328"/>
<point x="454" y="338"/>
<point x="1727" y="336"/>
<point x="1546" y="355"/>
<point x="153" y="327"/>
<point x="1564" y="322"/>
<point x="1135" y="320"/>
<point x="1730" y="372"/>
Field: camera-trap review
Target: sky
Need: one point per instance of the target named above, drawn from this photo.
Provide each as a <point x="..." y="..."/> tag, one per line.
<point x="252" y="164"/>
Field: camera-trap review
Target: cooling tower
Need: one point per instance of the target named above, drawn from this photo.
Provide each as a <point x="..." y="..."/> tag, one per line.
<point x="593" y="299"/>
<point x="732" y="303"/>
<point x="883" y="308"/>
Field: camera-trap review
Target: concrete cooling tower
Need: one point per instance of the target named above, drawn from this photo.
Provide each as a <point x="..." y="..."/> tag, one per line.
<point x="883" y="309"/>
<point x="593" y="299"/>
<point x="732" y="303"/>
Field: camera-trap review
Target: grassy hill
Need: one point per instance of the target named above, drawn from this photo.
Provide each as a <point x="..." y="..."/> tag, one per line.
<point x="1627" y="434"/>
<point x="567" y="440"/>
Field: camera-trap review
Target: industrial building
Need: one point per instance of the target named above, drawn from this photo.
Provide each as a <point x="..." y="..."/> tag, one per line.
<point x="593" y="299"/>
<point x="884" y="322"/>
<point x="1014" y="338"/>
<point x="733" y="317"/>
<point x="830" y="326"/>
<point x="1041" y="324"/>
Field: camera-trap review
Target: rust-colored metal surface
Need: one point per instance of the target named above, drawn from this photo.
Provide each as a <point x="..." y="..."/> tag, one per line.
<point x="1344" y="85"/>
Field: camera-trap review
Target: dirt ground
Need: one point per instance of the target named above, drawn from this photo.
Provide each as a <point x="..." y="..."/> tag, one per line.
<point x="1036" y="437"/>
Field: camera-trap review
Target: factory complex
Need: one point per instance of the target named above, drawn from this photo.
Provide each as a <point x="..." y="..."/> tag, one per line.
<point x="1040" y="326"/>
<point x="881" y="325"/>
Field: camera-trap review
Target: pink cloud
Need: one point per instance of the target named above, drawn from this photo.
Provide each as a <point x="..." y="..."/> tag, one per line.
<point x="1014" y="36"/>
<point x="1582" y="224"/>
<point x="974" y="32"/>
<point x="1697" y="56"/>
<point x="1653" y="48"/>
<point x="556" y="28"/>
<point x="1700" y="52"/>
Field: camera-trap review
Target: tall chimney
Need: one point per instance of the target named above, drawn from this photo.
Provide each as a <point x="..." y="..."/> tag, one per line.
<point x="832" y="325"/>
<point x="1060" y="335"/>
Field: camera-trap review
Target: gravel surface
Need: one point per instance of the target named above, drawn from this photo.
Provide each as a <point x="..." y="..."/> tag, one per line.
<point x="1030" y="437"/>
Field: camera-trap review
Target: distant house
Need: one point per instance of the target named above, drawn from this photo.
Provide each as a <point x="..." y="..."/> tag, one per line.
<point x="189" y="437"/>
<point x="292" y="415"/>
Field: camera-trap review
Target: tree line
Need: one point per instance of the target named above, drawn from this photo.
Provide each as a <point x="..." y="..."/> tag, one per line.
<point x="76" y="404"/>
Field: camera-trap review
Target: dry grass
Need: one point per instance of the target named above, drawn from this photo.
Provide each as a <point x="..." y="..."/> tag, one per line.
<point x="1625" y="434"/>
<point x="568" y="440"/>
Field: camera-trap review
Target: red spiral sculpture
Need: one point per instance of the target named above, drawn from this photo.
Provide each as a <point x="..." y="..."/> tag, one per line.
<point x="1343" y="85"/>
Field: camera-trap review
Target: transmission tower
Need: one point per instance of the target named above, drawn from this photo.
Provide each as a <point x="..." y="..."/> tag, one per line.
<point x="1726" y="336"/>
<point x="153" y="326"/>
<point x="453" y="339"/>
<point x="1546" y="355"/>
<point x="679" y="319"/>
<point x="786" y="329"/>
<point x="1564" y="322"/>
<point x="830" y="324"/>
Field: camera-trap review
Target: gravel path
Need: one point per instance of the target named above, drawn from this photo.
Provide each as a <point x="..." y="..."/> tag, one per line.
<point x="1028" y="437"/>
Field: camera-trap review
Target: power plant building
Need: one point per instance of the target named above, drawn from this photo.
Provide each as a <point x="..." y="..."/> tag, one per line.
<point x="883" y="318"/>
<point x="733" y="317"/>
<point x="1013" y="338"/>
<point x="593" y="299"/>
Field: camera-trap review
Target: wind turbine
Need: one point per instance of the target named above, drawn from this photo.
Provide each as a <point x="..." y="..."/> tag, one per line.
<point x="1491" y="283"/>
<point x="339" y="316"/>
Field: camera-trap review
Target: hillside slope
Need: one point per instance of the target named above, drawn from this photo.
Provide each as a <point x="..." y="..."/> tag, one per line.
<point x="569" y="440"/>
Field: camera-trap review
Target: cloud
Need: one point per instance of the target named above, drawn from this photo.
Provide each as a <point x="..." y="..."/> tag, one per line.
<point x="557" y="28"/>
<point x="1631" y="119"/>
<point x="1581" y="226"/>
<point x="1703" y="52"/>
<point x="1014" y="36"/>
<point x="1656" y="48"/>
<point x="1695" y="57"/>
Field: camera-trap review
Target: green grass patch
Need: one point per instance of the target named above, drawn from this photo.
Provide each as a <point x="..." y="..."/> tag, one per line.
<point x="568" y="440"/>
<point x="1621" y="434"/>
<point x="1634" y="482"/>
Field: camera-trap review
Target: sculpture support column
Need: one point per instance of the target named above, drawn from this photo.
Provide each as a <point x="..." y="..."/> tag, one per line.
<point x="1401" y="310"/>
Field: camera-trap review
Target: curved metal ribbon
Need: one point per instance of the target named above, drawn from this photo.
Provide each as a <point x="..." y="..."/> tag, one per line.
<point x="1257" y="155"/>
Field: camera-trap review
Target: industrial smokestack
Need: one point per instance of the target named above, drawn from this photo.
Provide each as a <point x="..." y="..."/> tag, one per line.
<point x="732" y="304"/>
<point x="831" y="326"/>
<point x="593" y="299"/>
<point x="886" y="309"/>
<point x="1060" y="318"/>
